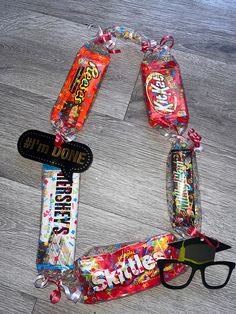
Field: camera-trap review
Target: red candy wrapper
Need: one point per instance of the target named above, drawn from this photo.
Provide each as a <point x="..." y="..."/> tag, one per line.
<point x="163" y="89"/>
<point x="130" y="269"/>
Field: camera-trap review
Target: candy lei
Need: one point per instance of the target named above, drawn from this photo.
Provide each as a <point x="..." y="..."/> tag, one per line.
<point x="110" y="271"/>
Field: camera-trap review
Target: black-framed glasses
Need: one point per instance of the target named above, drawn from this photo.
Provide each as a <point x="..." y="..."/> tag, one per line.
<point x="215" y="275"/>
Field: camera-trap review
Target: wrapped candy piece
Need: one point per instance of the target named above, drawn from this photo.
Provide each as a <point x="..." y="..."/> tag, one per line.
<point x="183" y="195"/>
<point x="124" y="32"/>
<point x="104" y="249"/>
<point x="56" y="248"/>
<point x="126" y="270"/>
<point x="77" y="94"/>
<point x="163" y="88"/>
<point x="67" y="279"/>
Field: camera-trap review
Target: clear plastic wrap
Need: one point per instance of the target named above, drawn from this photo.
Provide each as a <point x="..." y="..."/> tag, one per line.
<point x="75" y="99"/>
<point x="112" y="271"/>
<point x="56" y="250"/>
<point x="163" y="88"/>
<point x="182" y="188"/>
<point x="125" y="270"/>
<point x="124" y="32"/>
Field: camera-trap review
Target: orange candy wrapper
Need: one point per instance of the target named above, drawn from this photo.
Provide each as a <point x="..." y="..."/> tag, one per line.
<point x="78" y="92"/>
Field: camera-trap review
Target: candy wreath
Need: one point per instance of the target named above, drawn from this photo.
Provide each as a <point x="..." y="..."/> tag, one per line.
<point x="109" y="272"/>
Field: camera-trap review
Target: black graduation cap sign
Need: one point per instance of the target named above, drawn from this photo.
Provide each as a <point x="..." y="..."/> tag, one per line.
<point x="197" y="250"/>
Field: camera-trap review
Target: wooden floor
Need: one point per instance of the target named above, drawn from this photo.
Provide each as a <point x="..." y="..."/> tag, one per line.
<point x="122" y="195"/>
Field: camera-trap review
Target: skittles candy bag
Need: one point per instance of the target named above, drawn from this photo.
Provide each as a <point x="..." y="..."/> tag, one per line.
<point x="126" y="270"/>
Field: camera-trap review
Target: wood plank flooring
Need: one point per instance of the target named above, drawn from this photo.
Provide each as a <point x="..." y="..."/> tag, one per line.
<point x="125" y="186"/>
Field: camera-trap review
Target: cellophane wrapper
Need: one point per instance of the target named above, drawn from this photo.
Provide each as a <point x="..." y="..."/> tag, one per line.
<point x="164" y="92"/>
<point x="56" y="249"/>
<point x="183" y="193"/>
<point x="77" y="94"/>
<point x="127" y="270"/>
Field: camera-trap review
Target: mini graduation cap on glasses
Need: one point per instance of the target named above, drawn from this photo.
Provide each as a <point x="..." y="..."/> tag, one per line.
<point x="199" y="250"/>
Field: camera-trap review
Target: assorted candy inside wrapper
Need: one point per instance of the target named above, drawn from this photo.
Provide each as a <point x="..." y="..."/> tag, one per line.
<point x="163" y="88"/>
<point x="112" y="271"/>
<point x="109" y="272"/>
<point x="84" y="78"/>
<point x="77" y="94"/>
<point x="127" y="33"/>
<point x="127" y="270"/>
<point x="183" y="194"/>
<point x="56" y="250"/>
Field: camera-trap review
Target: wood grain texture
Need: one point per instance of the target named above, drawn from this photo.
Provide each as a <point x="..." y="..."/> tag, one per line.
<point x="21" y="223"/>
<point x="122" y="195"/>
<point x="13" y="301"/>
<point x="35" y="58"/>
<point x="152" y="301"/>
<point x="204" y="28"/>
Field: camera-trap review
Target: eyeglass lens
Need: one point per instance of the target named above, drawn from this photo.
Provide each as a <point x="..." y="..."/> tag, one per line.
<point x="181" y="279"/>
<point x="216" y="274"/>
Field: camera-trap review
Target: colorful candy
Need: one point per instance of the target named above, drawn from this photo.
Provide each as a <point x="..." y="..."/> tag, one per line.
<point x="183" y="195"/>
<point x="77" y="94"/>
<point x="109" y="272"/>
<point x="56" y="249"/>
<point x="124" y="32"/>
<point x="127" y="270"/>
<point x="163" y="88"/>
